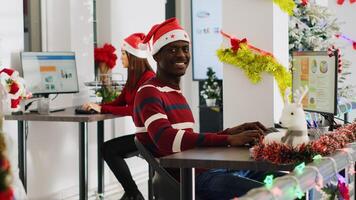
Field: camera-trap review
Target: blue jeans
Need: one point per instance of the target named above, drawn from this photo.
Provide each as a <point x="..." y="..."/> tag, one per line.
<point x="223" y="184"/>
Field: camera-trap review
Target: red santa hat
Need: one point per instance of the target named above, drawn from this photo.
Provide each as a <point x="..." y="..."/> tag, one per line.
<point x="165" y="33"/>
<point x="133" y="45"/>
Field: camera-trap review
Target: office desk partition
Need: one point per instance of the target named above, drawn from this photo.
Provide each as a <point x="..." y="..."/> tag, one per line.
<point x="215" y="157"/>
<point x="68" y="115"/>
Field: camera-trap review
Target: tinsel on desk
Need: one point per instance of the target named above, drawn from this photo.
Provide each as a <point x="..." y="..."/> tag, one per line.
<point x="327" y="144"/>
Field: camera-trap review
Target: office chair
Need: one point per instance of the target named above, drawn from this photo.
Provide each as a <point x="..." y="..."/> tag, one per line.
<point x="164" y="186"/>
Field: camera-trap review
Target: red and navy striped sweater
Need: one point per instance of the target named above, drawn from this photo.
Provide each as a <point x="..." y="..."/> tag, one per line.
<point x="165" y="122"/>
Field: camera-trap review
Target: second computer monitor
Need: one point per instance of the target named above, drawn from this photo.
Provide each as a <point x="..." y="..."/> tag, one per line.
<point x="50" y="72"/>
<point x="318" y="71"/>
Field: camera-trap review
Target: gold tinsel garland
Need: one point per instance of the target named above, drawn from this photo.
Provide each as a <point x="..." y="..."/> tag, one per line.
<point x="253" y="64"/>
<point x="286" y="5"/>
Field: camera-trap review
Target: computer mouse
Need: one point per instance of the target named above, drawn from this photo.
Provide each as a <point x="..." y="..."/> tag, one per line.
<point x="82" y="111"/>
<point x="92" y="111"/>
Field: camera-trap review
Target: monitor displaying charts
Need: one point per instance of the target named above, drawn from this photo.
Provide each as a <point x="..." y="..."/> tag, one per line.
<point x="50" y="72"/>
<point x="318" y="71"/>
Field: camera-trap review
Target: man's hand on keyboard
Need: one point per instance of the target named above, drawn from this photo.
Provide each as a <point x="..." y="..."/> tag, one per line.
<point x="94" y="106"/>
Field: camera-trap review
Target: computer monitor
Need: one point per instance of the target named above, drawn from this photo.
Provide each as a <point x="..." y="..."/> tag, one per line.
<point x="50" y="72"/>
<point x="318" y="71"/>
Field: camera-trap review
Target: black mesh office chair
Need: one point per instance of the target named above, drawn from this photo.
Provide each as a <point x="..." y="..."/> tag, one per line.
<point x="164" y="186"/>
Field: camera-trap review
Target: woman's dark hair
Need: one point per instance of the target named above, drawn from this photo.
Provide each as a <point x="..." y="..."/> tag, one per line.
<point x="137" y="67"/>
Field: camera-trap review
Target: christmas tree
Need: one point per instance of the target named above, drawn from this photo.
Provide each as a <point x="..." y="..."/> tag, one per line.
<point x="313" y="28"/>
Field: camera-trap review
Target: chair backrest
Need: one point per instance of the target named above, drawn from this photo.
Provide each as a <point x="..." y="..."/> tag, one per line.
<point x="152" y="161"/>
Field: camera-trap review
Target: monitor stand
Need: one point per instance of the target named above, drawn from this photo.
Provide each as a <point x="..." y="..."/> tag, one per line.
<point x="44" y="105"/>
<point x="44" y="101"/>
<point x="329" y="121"/>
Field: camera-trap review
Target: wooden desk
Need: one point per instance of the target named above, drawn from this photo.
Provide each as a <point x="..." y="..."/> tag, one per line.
<point x="214" y="157"/>
<point x="68" y="115"/>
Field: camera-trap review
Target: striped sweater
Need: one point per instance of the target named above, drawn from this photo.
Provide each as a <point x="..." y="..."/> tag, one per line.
<point x="165" y="122"/>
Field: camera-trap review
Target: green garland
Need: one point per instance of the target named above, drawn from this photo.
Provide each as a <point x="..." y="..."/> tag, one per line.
<point x="286" y="5"/>
<point x="254" y="64"/>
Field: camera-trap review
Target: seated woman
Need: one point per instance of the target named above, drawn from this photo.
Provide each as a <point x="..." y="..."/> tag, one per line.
<point x="139" y="71"/>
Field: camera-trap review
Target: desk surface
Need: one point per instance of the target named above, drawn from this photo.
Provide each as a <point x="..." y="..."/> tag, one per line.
<point x="220" y="157"/>
<point x="68" y="115"/>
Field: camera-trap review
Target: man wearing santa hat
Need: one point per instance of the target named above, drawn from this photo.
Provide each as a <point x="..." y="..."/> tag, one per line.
<point x="165" y="122"/>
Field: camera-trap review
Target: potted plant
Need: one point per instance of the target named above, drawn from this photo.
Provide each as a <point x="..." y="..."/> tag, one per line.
<point x="211" y="91"/>
<point x="105" y="60"/>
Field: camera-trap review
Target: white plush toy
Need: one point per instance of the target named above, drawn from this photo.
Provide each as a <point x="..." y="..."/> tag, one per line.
<point x="293" y="118"/>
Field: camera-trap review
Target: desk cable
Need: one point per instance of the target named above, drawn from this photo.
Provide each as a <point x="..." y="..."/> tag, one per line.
<point x="29" y="104"/>
<point x="54" y="97"/>
<point x="26" y="129"/>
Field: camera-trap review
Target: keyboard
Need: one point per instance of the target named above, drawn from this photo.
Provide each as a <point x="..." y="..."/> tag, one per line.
<point x="271" y="130"/>
<point x="51" y="110"/>
<point x="56" y="109"/>
<point x="80" y="111"/>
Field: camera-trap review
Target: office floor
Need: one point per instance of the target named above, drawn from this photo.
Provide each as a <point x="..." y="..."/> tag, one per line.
<point x="143" y="187"/>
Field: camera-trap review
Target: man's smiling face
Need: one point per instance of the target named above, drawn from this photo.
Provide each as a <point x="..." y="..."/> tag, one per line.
<point x="173" y="59"/>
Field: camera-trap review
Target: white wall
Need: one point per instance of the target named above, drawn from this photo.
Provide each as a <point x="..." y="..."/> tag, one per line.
<point x="244" y="101"/>
<point x="11" y="33"/>
<point x="280" y="50"/>
<point x="126" y="17"/>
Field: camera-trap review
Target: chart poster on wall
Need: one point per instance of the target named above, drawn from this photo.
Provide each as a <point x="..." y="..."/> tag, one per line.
<point x="206" y="26"/>
<point x="318" y="71"/>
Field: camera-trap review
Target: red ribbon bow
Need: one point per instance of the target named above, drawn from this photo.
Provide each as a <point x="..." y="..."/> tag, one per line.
<point x="235" y="43"/>
<point x="304" y="2"/>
